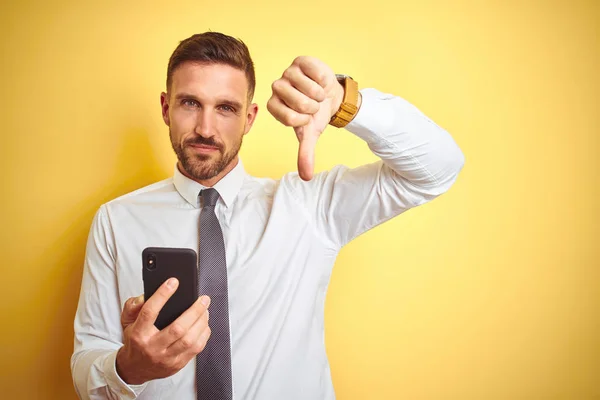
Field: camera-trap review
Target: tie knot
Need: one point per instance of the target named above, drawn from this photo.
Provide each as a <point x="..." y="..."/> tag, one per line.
<point x="209" y="197"/>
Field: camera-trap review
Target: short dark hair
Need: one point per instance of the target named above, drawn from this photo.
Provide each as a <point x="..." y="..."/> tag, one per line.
<point x="213" y="48"/>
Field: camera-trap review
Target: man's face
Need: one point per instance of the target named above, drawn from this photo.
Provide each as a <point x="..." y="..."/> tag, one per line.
<point x="208" y="114"/>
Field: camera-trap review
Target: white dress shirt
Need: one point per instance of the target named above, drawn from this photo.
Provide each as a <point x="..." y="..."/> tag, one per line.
<point x="281" y="238"/>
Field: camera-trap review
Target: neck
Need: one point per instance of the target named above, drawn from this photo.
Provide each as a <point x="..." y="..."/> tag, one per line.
<point x="212" y="181"/>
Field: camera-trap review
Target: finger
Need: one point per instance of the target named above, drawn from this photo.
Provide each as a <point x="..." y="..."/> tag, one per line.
<point x="193" y="341"/>
<point x="284" y="114"/>
<point x="293" y="98"/>
<point x="316" y="70"/>
<point x="306" y="152"/>
<point x="131" y="309"/>
<point x="304" y="84"/>
<point x="180" y="327"/>
<point x="156" y="302"/>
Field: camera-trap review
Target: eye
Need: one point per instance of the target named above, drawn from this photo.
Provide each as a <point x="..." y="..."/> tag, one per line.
<point x="189" y="103"/>
<point x="227" y="108"/>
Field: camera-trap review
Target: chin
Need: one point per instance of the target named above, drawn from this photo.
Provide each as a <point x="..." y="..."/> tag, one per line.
<point x="202" y="167"/>
<point x="203" y="170"/>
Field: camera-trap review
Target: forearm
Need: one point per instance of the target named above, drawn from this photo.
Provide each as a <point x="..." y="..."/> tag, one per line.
<point x="419" y="161"/>
<point x="408" y="142"/>
<point x="97" y="326"/>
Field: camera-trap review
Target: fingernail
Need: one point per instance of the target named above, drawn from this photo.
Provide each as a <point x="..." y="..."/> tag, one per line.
<point x="138" y="300"/>
<point x="205" y="300"/>
<point x="171" y="283"/>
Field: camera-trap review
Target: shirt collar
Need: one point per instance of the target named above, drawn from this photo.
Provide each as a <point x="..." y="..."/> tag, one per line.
<point x="228" y="187"/>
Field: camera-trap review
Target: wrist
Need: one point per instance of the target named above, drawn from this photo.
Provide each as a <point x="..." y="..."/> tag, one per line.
<point x="123" y="369"/>
<point x="337" y="99"/>
<point x="348" y="106"/>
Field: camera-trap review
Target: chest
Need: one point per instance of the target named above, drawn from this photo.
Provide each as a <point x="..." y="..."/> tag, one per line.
<point x="270" y="247"/>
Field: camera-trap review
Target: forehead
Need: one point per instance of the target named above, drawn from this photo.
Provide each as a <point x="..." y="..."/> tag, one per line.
<point x="209" y="81"/>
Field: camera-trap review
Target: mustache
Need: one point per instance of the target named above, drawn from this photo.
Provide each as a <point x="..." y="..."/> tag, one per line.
<point x="199" y="140"/>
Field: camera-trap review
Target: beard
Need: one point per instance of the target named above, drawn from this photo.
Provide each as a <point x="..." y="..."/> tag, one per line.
<point x="205" y="166"/>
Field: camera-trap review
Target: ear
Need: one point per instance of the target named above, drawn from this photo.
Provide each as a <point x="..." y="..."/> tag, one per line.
<point x="164" y="105"/>
<point x="250" y="117"/>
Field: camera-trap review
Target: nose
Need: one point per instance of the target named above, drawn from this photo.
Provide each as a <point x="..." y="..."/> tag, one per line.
<point x="205" y="122"/>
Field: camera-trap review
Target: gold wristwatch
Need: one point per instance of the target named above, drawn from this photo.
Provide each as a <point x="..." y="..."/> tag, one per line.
<point x="349" y="107"/>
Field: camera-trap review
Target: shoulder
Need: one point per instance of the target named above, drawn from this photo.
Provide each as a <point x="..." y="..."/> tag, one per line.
<point x="160" y="192"/>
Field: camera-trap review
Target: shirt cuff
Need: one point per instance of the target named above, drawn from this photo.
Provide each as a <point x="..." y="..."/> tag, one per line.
<point x="373" y="119"/>
<point x="115" y="383"/>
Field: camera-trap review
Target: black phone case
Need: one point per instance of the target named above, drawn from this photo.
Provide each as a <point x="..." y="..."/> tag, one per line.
<point x="168" y="263"/>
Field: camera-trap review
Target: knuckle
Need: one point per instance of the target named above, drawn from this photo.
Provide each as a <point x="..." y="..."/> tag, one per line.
<point x="146" y="313"/>
<point x="301" y="105"/>
<point x="197" y="347"/>
<point x="161" y="293"/>
<point x="202" y="343"/>
<point x="291" y="119"/>
<point x="295" y="119"/>
<point x="270" y="105"/>
<point x="176" y="330"/>
<point x="199" y="309"/>
<point x="200" y="348"/>
<point x="299" y="59"/>
<point x="137" y="341"/>
<point x="316" y="93"/>
<point x="287" y="120"/>
<point x="275" y="85"/>
<point x="305" y="106"/>
<point x="275" y="111"/>
<point x="187" y="342"/>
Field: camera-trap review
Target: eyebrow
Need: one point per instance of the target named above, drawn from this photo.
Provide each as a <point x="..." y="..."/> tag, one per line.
<point x="233" y="103"/>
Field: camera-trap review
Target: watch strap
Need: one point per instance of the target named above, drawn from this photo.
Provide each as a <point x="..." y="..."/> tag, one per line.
<point x="349" y="106"/>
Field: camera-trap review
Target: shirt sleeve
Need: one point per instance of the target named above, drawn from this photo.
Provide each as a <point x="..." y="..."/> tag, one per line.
<point x="419" y="160"/>
<point x="98" y="332"/>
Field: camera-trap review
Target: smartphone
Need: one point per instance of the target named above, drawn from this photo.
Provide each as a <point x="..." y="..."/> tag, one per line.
<point x="162" y="263"/>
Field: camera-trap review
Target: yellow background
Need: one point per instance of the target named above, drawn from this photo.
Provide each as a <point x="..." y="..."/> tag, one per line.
<point x="489" y="292"/>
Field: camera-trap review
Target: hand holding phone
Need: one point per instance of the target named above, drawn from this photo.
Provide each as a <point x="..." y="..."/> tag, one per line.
<point x="162" y="263"/>
<point x="149" y="353"/>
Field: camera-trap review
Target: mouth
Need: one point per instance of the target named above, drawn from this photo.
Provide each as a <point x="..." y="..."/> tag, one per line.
<point x="203" y="149"/>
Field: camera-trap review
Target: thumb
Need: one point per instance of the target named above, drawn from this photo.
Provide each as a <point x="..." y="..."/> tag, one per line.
<point x="131" y="309"/>
<point x="306" y="153"/>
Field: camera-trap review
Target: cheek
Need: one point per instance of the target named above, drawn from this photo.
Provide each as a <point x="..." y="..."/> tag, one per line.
<point x="182" y="123"/>
<point x="230" y="128"/>
<point x="184" y="118"/>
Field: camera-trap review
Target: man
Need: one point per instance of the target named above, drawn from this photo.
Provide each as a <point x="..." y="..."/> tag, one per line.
<point x="272" y="243"/>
